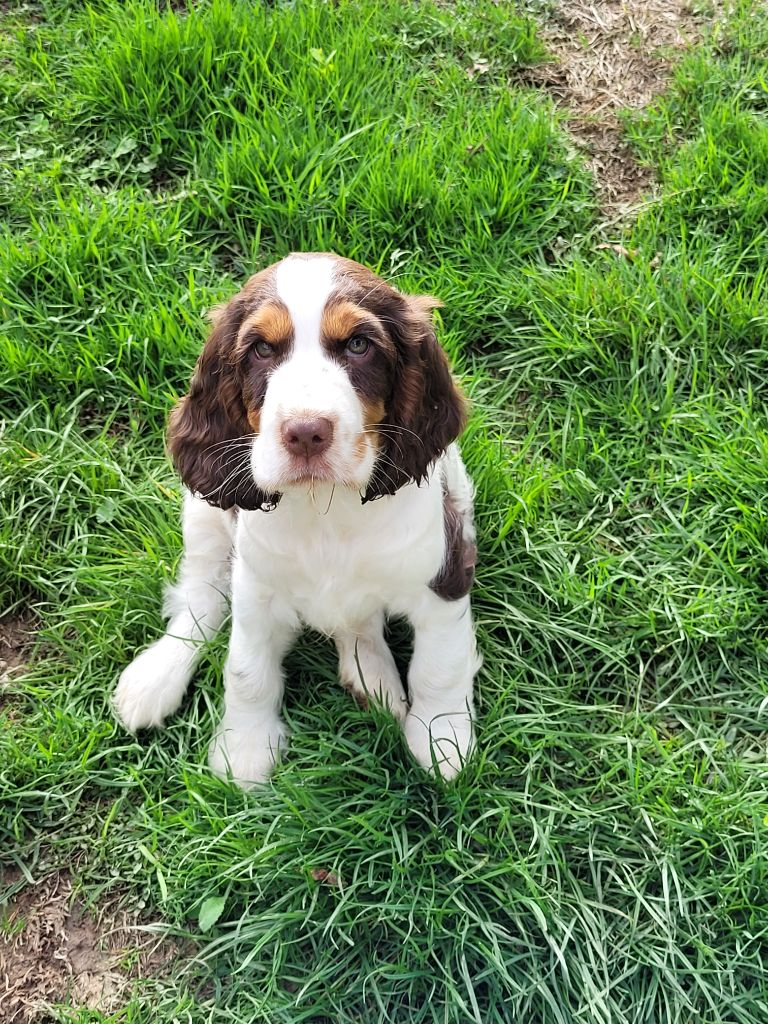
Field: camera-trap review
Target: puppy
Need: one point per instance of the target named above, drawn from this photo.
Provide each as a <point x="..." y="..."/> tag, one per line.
<point x="324" y="489"/>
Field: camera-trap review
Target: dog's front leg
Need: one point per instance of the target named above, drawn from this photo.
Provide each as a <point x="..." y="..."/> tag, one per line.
<point x="154" y="684"/>
<point x="439" y="728"/>
<point x="251" y="732"/>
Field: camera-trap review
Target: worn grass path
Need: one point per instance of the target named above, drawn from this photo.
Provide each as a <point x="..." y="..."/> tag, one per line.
<point x="603" y="858"/>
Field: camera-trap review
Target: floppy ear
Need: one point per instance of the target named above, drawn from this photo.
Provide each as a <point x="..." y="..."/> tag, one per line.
<point x="426" y="410"/>
<point x="208" y="427"/>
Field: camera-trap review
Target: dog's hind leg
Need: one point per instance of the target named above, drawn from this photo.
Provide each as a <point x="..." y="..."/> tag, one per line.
<point x="367" y="668"/>
<point x="154" y="684"/>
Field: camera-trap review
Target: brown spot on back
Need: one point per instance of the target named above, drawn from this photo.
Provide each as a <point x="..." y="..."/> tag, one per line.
<point x="457" y="572"/>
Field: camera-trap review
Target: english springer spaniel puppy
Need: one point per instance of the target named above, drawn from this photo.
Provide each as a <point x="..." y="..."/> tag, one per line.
<point x="324" y="489"/>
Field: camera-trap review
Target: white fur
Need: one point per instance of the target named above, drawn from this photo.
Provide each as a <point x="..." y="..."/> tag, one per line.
<point x="304" y="285"/>
<point x="321" y="559"/>
<point x="309" y="383"/>
<point x="153" y="686"/>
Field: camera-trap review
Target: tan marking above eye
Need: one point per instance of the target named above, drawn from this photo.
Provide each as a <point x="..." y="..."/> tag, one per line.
<point x="341" y="320"/>
<point x="271" y="321"/>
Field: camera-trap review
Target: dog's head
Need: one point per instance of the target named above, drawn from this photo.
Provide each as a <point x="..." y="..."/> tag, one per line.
<point x="316" y="371"/>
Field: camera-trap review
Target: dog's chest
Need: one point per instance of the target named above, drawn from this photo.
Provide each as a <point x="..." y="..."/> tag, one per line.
<point x="334" y="572"/>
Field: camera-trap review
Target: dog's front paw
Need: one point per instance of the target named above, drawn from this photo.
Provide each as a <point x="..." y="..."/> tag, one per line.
<point x="153" y="686"/>
<point x="246" y="753"/>
<point x="442" y="742"/>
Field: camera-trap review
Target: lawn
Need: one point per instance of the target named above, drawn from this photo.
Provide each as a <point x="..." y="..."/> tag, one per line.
<point x="604" y="857"/>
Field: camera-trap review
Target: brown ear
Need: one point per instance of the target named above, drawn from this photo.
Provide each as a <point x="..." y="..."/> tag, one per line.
<point x="207" y="430"/>
<point x="426" y="410"/>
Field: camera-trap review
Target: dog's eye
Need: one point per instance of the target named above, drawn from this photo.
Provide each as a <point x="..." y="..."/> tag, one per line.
<point x="358" y="346"/>
<point x="263" y="350"/>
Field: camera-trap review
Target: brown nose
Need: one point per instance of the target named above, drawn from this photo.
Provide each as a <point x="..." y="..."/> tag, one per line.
<point x="307" y="436"/>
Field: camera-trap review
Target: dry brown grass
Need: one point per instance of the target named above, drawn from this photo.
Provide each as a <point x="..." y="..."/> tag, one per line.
<point x="609" y="55"/>
<point x="54" y="951"/>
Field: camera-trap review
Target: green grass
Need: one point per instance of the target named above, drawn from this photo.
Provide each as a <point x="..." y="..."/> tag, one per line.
<point x="603" y="858"/>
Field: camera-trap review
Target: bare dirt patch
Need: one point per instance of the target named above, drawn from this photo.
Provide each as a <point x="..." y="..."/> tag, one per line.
<point x="609" y="55"/>
<point x="17" y="633"/>
<point x="53" y="951"/>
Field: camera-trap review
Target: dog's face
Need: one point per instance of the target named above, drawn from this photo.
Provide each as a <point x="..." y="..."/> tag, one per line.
<point x="316" y="371"/>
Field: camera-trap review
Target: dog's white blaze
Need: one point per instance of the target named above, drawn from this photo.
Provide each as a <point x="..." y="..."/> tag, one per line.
<point x="304" y="286"/>
<point x="310" y="383"/>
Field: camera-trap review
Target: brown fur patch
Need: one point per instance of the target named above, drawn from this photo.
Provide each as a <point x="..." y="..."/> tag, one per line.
<point x="457" y="572"/>
<point x="213" y="413"/>
<point x="424" y="304"/>
<point x="373" y="414"/>
<point x="360" y="275"/>
<point x="341" y="319"/>
<point x="425" y="409"/>
<point x="261" y="286"/>
<point x="257" y="289"/>
<point x="254" y="418"/>
<point x="271" y="322"/>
